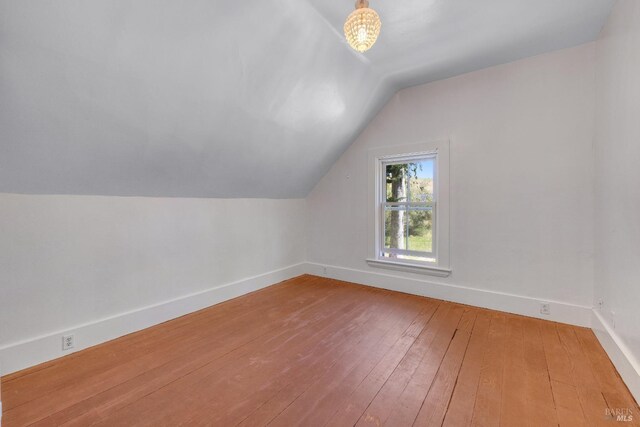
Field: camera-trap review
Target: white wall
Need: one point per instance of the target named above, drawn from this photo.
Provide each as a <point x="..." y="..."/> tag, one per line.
<point x="617" y="179"/>
<point x="71" y="260"/>
<point x="521" y="178"/>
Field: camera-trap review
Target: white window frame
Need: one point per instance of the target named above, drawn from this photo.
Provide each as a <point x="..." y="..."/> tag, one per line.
<point x="378" y="159"/>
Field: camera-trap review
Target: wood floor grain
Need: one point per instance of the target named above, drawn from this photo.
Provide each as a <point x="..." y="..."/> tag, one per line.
<point x="317" y="352"/>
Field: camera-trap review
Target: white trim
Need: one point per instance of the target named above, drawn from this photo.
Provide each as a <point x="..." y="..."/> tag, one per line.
<point x="527" y="306"/>
<point x="622" y="358"/>
<point x="410" y="267"/>
<point x="23" y="354"/>
<point x="627" y="365"/>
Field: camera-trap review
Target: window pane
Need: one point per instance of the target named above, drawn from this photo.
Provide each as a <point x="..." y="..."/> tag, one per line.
<point x="396" y="182"/>
<point x="421" y="181"/>
<point x="410" y="182"/>
<point x="408" y="229"/>
<point x="420" y="234"/>
<point x="395" y="227"/>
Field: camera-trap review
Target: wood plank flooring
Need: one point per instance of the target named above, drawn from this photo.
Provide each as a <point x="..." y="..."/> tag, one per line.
<point x="317" y="352"/>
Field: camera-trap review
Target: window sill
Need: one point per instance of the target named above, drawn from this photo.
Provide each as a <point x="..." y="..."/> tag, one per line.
<point x="409" y="267"/>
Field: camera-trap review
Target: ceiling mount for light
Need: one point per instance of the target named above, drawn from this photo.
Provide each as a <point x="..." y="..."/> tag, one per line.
<point x="362" y="26"/>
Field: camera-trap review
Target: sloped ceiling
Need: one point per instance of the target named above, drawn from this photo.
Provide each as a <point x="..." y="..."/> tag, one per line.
<point x="228" y="98"/>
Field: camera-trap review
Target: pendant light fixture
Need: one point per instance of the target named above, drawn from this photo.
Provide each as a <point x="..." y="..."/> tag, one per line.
<point x="362" y="26"/>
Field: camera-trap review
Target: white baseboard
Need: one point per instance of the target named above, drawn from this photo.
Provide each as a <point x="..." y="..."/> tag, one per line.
<point x="21" y="355"/>
<point x="627" y="365"/>
<point x="517" y="304"/>
<point x="24" y="354"/>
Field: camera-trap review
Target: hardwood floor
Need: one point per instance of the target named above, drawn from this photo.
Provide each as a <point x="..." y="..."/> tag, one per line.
<point x="317" y="352"/>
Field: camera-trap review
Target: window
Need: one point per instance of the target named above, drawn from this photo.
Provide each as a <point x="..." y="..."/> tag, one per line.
<point x="408" y="208"/>
<point x="410" y="212"/>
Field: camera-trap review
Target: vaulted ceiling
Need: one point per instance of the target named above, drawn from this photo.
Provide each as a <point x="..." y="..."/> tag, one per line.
<point x="218" y="98"/>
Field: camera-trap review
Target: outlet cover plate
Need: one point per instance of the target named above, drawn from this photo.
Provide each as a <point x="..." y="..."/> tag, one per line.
<point x="545" y="308"/>
<point x="67" y="342"/>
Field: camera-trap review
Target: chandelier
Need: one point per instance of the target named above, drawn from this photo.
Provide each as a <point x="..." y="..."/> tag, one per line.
<point x="362" y="26"/>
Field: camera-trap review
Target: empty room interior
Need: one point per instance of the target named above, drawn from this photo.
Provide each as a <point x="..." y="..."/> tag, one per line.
<point x="320" y="213"/>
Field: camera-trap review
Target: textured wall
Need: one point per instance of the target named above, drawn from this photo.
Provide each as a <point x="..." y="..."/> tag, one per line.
<point x="67" y="260"/>
<point x="617" y="175"/>
<point x="521" y="177"/>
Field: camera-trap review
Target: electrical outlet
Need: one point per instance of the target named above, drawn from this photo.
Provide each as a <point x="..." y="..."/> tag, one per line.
<point x="600" y="304"/>
<point x="545" y="308"/>
<point x="67" y="342"/>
